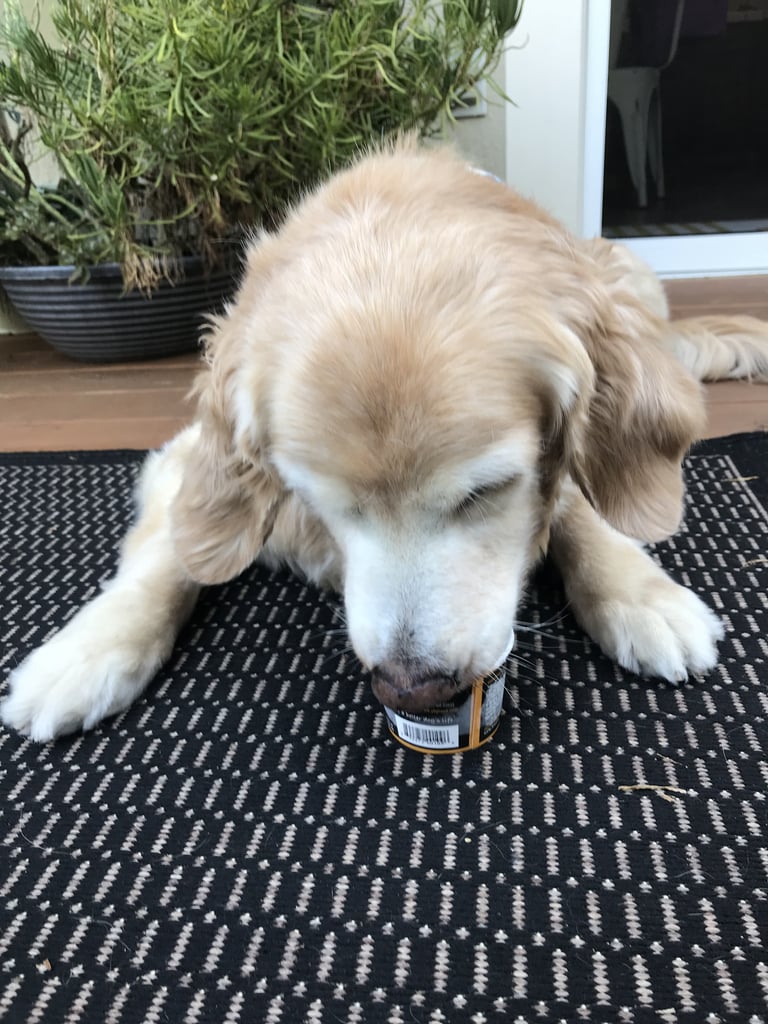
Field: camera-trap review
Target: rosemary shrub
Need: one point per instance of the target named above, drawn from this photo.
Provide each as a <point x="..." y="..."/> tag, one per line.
<point x="175" y="123"/>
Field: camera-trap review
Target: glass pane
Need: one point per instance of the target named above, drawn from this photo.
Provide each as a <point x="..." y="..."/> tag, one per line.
<point x="687" y="119"/>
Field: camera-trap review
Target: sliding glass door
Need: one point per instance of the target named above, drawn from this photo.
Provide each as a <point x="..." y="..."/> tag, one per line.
<point x="577" y="69"/>
<point x="701" y="157"/>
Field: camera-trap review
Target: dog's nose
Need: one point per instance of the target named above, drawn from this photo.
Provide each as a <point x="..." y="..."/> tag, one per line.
<point x="410" y="686"/>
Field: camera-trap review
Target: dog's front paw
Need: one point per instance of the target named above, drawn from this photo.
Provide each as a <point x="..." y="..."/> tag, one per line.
<point x="95" y="667"/>
<point x="663" y="631"/>
<point x="59" y="689"/>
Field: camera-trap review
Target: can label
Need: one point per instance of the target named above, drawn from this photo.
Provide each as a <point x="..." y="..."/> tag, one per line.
<point x="464" y="723"/>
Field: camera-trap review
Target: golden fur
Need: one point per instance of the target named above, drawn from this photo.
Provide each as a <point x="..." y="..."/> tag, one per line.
<point x="423" y="383"/>
<point x="450" y="307"/>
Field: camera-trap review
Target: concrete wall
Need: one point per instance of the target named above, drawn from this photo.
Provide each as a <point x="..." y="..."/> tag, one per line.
<point x="555" y="74"/>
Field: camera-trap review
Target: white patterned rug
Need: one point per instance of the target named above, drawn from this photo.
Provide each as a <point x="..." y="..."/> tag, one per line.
<point x="247" y="844"/>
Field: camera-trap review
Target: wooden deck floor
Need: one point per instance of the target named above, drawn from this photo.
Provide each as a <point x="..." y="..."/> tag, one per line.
<point x="51" y="403"/>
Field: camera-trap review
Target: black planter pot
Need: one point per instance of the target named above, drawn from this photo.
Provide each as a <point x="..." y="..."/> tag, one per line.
<point x="95" y="322"/>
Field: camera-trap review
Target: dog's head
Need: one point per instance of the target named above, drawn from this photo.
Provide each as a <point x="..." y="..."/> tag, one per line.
<point x="421" y="358"/>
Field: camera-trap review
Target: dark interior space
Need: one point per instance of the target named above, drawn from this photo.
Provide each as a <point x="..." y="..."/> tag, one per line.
<point x="714" y="102"/>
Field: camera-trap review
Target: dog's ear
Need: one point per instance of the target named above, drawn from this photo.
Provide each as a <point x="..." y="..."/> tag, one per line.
<point x="229" y="497"/>
<point x="621" y="412"/>
<point x="625" y="438"/>
<point x="224" y="510"/>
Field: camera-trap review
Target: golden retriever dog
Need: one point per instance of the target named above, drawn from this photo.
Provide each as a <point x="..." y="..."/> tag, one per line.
<point x="423" y="384"/>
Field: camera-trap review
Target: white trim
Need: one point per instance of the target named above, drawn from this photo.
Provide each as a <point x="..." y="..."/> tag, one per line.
<point x="595" y="64"/>
<point x="704" y="255"/>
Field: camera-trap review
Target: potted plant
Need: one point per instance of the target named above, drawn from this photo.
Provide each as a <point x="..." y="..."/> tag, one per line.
<point x="179" y="125"/>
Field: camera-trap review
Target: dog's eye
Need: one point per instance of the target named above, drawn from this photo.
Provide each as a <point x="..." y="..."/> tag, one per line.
<point x="481" y="498"/>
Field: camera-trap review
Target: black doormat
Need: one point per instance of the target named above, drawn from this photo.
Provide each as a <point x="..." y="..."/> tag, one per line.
<point x="247" y="844"/>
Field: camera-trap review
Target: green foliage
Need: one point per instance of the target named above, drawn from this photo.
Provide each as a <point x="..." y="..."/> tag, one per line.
<point x="176" y="122"/>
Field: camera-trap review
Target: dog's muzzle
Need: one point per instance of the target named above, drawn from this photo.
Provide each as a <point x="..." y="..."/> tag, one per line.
<point x="408" y="686"/>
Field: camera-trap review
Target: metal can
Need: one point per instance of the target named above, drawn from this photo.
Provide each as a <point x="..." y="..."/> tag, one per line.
<point x="464" y="723"/>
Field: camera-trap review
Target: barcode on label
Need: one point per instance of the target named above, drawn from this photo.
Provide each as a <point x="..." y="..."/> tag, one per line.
<point x="434" y="737"/>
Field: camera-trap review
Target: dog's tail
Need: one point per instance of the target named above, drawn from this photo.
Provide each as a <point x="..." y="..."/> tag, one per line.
<point x="720" y="347"/>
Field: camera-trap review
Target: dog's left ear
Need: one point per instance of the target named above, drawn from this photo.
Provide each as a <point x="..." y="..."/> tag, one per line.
<point x="625" y="440"/>
<point x="224" y="510"/>
<point x="230" y="494"/>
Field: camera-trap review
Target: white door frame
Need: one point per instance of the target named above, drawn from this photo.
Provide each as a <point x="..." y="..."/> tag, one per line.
<point x="556" y="72"/>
